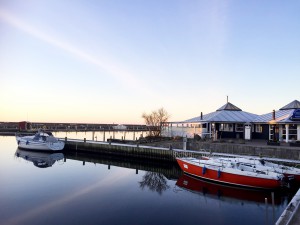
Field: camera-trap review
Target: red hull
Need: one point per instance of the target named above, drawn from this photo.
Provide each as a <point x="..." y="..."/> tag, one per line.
<point x="228" y="178"/>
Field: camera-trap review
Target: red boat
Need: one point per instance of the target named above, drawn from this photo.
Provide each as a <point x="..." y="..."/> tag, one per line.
<point x="233" y="173"/>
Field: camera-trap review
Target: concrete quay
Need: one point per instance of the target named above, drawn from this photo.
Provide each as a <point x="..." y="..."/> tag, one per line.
<point x="238" y="147"/>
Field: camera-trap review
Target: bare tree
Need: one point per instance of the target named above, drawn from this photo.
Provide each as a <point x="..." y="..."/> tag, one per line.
<point x="155" y="119"/>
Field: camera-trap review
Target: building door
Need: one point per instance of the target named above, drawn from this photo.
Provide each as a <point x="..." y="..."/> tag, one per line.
<point x="247" y="132"/>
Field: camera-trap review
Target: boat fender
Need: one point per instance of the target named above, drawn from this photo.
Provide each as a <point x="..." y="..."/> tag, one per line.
<point x="18" y="142"/>
<point x="219" y="173"/>
<point x="203" y="170"/>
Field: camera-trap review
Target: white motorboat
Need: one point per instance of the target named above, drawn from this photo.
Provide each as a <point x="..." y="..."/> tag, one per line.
<point x="41" y="141"/>
<point x="40" y="159"/>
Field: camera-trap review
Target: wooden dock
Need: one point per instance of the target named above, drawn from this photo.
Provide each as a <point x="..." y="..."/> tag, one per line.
<point x="129" y="150"/>
<point x="163" y="154"/>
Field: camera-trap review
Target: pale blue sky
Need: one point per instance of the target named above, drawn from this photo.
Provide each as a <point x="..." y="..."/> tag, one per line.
<point x="108" y="61"/>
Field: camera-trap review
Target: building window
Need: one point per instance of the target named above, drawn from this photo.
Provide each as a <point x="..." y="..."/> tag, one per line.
<point x="239" y="127"/>
<point x="292" y="132"/>
<point x="226" y="127"/>
<point x="258" y="128"/>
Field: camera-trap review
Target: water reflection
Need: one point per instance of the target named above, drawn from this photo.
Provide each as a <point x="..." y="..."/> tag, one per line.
<point x="40" y="159"/>
<point x="156" y="182"/>
<point x="224" y="192"/>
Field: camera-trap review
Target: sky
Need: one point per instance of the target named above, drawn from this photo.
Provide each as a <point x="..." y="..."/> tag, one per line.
<point x="110" y="61"/>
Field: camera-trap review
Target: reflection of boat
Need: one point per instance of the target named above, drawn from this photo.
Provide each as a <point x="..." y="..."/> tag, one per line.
<point x="40" y="141"/>
<point x="288" y="171"/>
<point x="40" y="159"/>
<point x="230" y="172"/>
<point x="218" y="190"/>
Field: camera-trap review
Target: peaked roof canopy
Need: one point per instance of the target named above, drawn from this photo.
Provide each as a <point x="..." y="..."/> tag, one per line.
<point x="227" y="113"/>
<point x="229" y="106"/>
<point x="293" y="105"/>
<point x="282" y="116"/>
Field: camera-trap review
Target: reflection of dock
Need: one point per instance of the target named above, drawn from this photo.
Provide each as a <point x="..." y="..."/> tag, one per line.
<point x="169" y="170"/>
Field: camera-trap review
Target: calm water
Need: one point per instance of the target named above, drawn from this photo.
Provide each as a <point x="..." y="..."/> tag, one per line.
<point x="81" y="189"/>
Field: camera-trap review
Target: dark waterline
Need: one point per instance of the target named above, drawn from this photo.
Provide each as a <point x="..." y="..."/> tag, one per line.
<point x="85" y="189"/>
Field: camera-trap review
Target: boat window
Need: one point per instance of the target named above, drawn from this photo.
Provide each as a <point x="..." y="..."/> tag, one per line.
<point x="36" y="137"/>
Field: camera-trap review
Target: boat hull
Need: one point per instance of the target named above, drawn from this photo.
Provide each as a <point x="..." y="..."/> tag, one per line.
<point x="227" y="177"/>
<point x="40" y="146"/>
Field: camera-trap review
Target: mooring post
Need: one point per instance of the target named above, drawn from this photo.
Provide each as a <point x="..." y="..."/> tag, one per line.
<point x="266" y="203"/>
<point x="184" y="143"/>
<point x="273" y="205"/>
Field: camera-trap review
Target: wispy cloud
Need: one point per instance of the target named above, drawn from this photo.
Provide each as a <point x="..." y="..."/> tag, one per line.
<point x="112" y="68"/>
<point x="219" y="23"/>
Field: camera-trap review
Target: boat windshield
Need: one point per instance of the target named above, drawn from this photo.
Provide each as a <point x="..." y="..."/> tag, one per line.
<point x="36" y="137"/>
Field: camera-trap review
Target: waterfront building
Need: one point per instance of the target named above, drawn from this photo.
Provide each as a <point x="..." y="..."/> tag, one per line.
<point x="280" y="125"/>
<point x="229" y="121"/>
